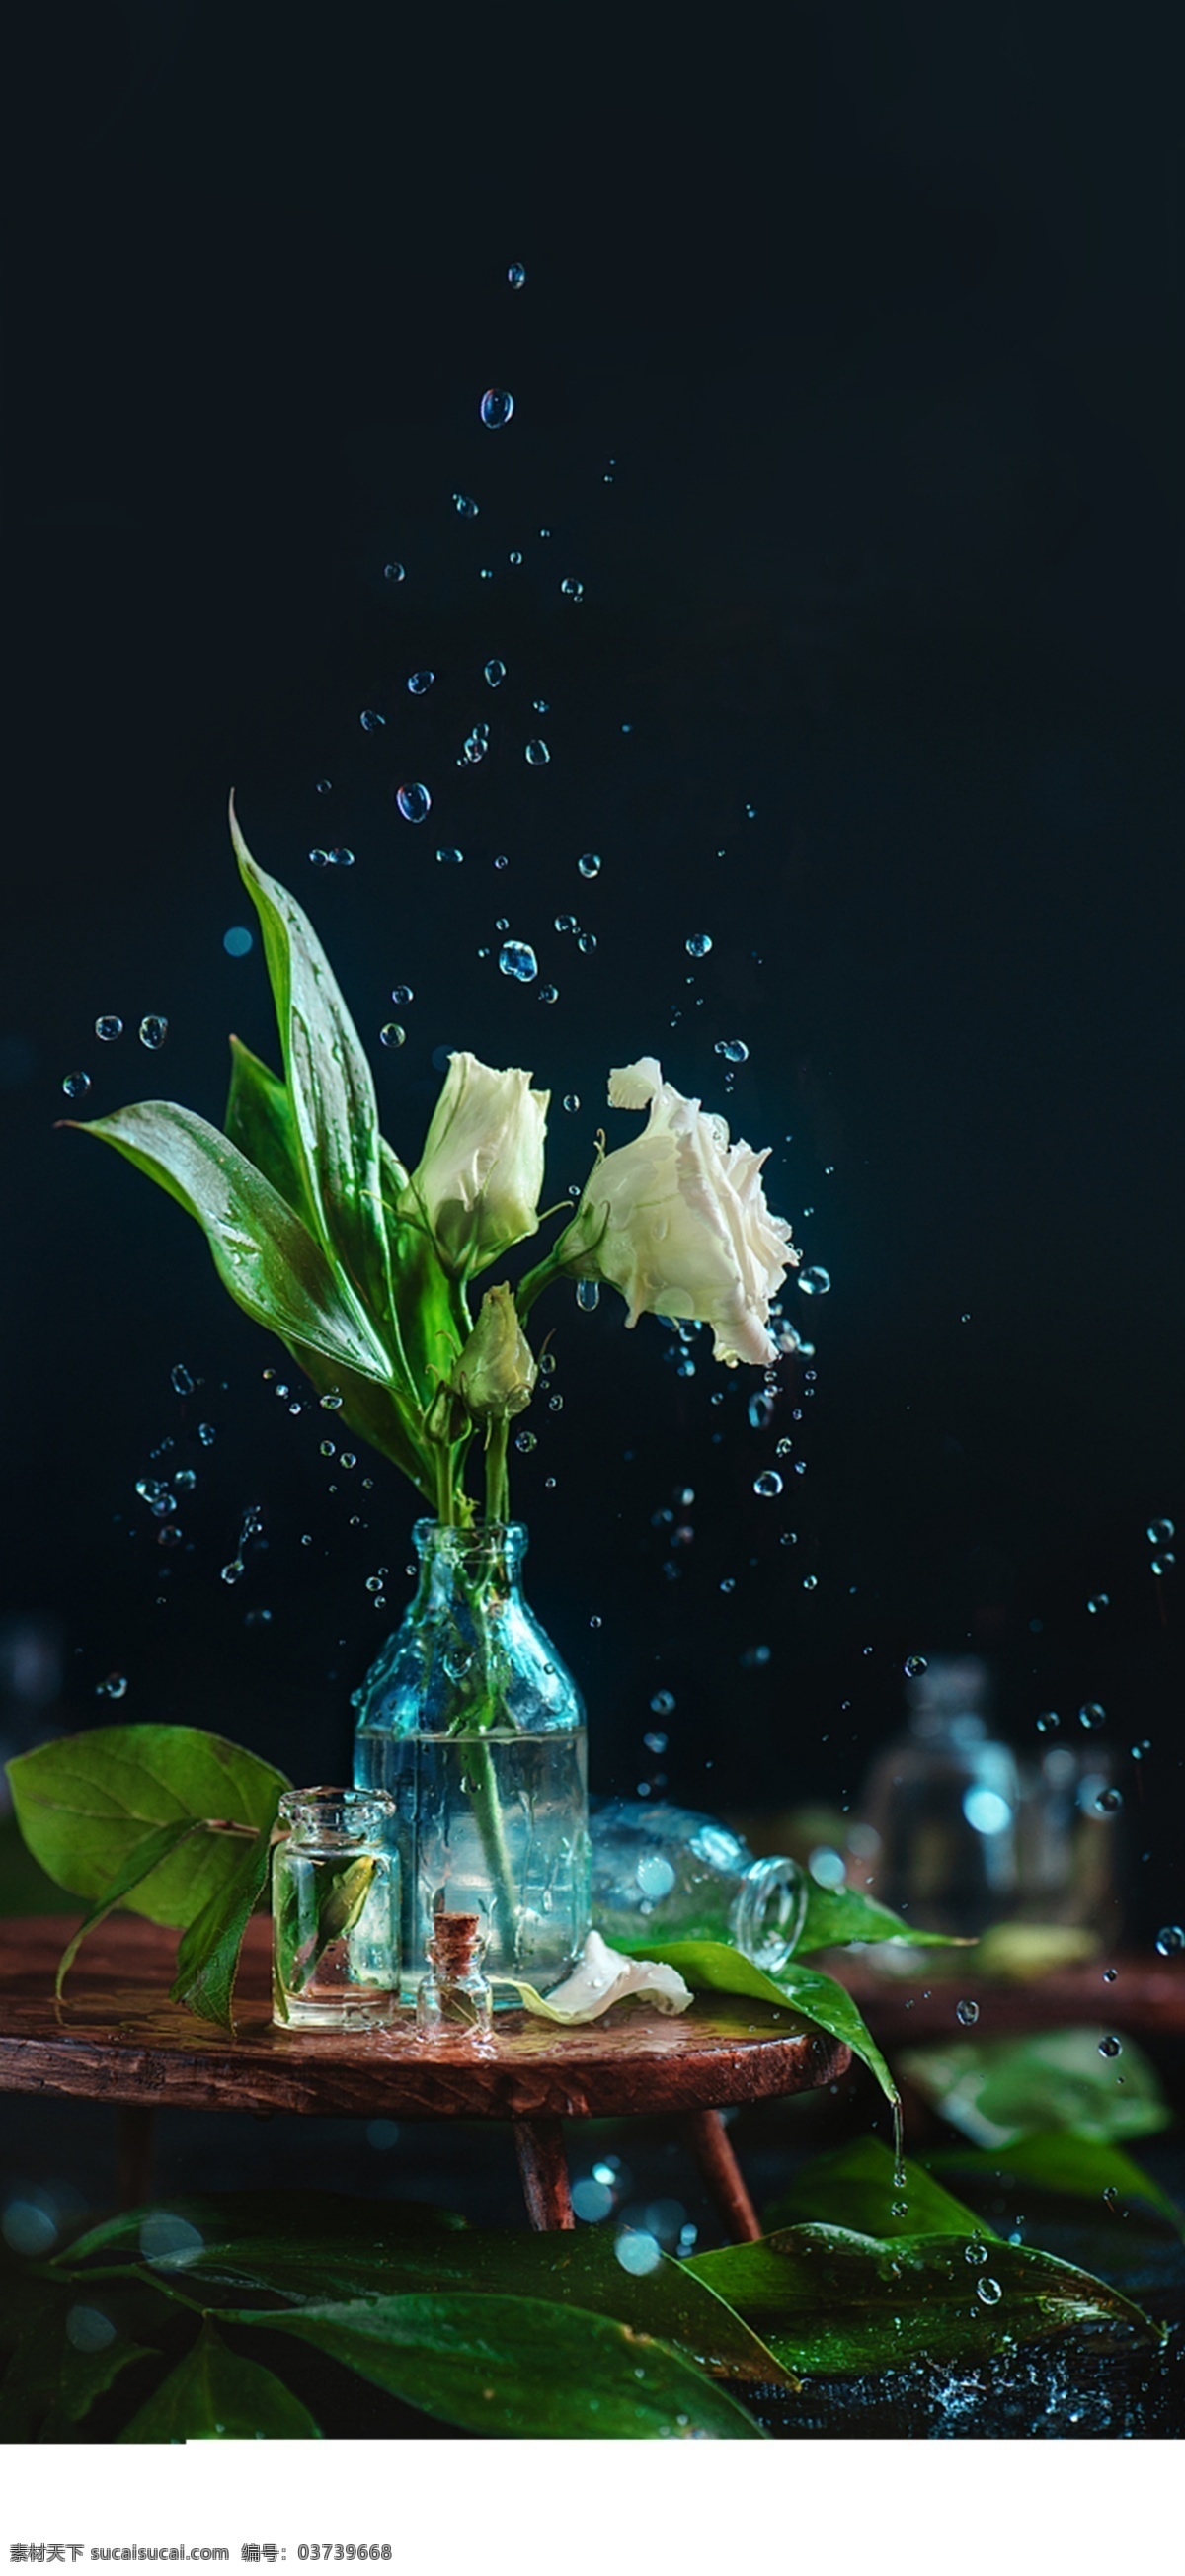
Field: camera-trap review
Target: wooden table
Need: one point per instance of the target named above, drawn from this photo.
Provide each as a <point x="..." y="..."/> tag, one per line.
<point x="116" y="2037"/>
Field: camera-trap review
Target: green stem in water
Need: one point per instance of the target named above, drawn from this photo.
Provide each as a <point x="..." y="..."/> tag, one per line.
<point x="487" y="1810"/>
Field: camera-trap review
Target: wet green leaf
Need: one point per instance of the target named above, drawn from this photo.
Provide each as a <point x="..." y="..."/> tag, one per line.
<point x="835" y="1915"/>
<point x="139" y="1865"/>
<point x="307" y="2231"/>
<point x="996" y="2090"/>
<point x="49" y="2385"/>
<point x="517" y="2366"/>
<point x="714" y="1967"/>
<point x="208" y="1951"/>
<point x="341" y="1895"/>
<point x="86" y="1802"/>
<point x="855" y="2187"/>
<point x="1062" y="2162"/>
<point x="272" y="1265"/>
<point x="831" y="2300"/>
<point x="216" y="2395"/>
<point x="261" y="1122"/>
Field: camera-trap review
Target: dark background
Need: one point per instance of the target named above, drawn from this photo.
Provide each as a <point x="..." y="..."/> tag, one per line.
<point x="876" y="312"/>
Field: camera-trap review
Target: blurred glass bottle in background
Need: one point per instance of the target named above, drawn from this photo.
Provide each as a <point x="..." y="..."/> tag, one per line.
<point x="944" y="1803"/>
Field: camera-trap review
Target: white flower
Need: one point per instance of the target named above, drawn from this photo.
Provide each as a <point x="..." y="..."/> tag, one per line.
<point x="602" y="1977"/>
<point x="678" y="1222"/>
<point x="481" y="1170"/>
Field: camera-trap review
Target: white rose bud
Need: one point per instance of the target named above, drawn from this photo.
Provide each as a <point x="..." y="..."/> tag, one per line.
<point x="496" y="1372"/>
<point x="678" y="1221"/>
<point x="481" y="1170"/>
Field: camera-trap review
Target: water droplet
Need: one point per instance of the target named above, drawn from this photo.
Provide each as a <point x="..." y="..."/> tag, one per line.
<point x="733" y="1050"/>
<point x="1092" y="1713"/>
<point x="769" y="1482"/>
<point x="589" y="865"/>
<point x="109" y="1027"/>
<point x="496" y="408"/>
<point x="207" y="1434"/>
<point x="393" y="572"/>
<point x="1099" y="1601"/>
<point x="237" y="941"/>
<point x="1109" y="1801"/>
<point x="76" y="1085"/>
<point x="1047" y="1721"/>
<point x="967" y="2012"/>
<point x="392" y="1035"/>
<point x="516" y="274"/>
<point x="332" y="1402"/>
<point x="328" y="1449"/>
<point x="988" y="2290"/>
<point x="810" y="1583"/>
<point x="1110" y="2047"/>
<point x="234" y="1571"/>
<point x="325" y="787"/>
<point x="153" y="1031"/>
<point x="401" y="993"/>
<point x="571" y="1100"/>
<point x="1160" y="1532"/>
<point x="1109" y="1976"/>
<point x="595" y="1621"/>
<point x="374" y="1583"/>
<point x="348" y="1459"/>
<point x="526" y="1441"/>
<point x="413" y="801"/>
<point x="1170" y="1940"/>
<point x="588" y="1295"/>
<point x="549" y="992"/>
<point x="572" y="589"/>
<point x="318" y="858"/>
<point x="464" y="507"/>
<point x="699" y="944"/>
<point x="914" y="1665"/>
<point x="537" y="753"/>
<point x="515" y="958"/>
<point x="814" y="1282"/>
<point x="495" y="673"/>
<point x="450" y="858"/>
<point x="1164" y="1563"/>
<point x="114" y="1687"/>
<point x="420" y="681"/>
<point x="340" y="858"/>
<point x="370" y="720"/>
<point x="587" y="942"/>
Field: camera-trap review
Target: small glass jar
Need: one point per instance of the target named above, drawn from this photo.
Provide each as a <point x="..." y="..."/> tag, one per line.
<point x="454" y="1993"/>
<point x="335" y="1911"/>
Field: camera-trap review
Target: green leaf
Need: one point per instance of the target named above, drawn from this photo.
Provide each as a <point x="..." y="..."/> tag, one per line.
<point x="714" y="1967"/>
<point x="139" y="1865"/>
<point x="242" y="2230"/>
<point x="208" y="1951"/>
<point x="271" y="1264"/>
<point x="260" y="1121"/>
<point x="341" y="1894"/>
<point x="835" y="1915"/>
<point x="330" y="1085"/>
<point x="831" y="2300"/>
<point x="85" y="2377"/>
<point x="996" y="2090"/>
<point x="856" y="2187"/>
<point x="215" y="2395"/>
<point x="85" y="1802"/>
<point x="517" y="2366"/>
<point x="49" y="2386"/>
<point x="1061" y="2161"/>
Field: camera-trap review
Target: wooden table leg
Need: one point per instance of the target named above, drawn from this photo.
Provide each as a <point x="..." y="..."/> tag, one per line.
<point x="708" y="2140"/>
<point x="544" y="2170"/>
<point x="135" y="2137"/>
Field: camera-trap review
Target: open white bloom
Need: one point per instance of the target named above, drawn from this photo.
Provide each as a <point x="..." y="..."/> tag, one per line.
<point x="678" y="1222"/>
<point x="481" y="1171"/>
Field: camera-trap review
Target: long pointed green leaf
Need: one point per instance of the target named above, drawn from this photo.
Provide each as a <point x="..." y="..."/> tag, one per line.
<point x="858" y="2186"/>
<point x="208" y="1951"/>
<point x="996" y="2090"/>
<point x="139" y="1865"/>
<point x="268" y="1260"/>
<point x="523" y="2367"/>
<point x="215" y="2395"/>
<point x="260" y="1121"/>
<point x="330" y="1085"/>
<point x="1057" y="2161"/>
<point x="714" y="1967"/>
<point x="85" y="1802"/>
<point x="837" y="1915"/>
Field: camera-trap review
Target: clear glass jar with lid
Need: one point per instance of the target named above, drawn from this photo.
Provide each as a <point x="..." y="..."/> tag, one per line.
<point x="335" y="1911"/>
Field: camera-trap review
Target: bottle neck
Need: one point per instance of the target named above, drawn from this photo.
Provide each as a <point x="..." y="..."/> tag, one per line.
<point x="768" y="1912"/>
<point x="482" y="1563"/>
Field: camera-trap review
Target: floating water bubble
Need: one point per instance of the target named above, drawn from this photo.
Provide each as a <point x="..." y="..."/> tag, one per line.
<point x="596" y="1620"/>
<point x="914" y="1665"/>
<point x="348" y="1459"/>
<point x="331" y="1403"/>
<point x="496" y="408"/>
<point x="420" y="681"/>
<point x="1170" y="1940"/>
<point x="967" y="2012"/>
<point x="393" y="572"/>
<point x="572" y="589"/>
<point x="516" y="274"/>
<point x="975" y="2253"/>
<point x="810" y="1583"/>
<point x="814" y="1282"/>
<point x="413" y="801"/>
<point x="699" y="944"/>
<point x="318" y="858"/>
<point x="589" y="865"/>
<point x="401" y="993"/>
<point x="392" y="1035"/>
<point x="565" y="921"/>
<point x="153" y="1030"/>
<point x="733" y="1050"/>
<point x="537" y="753"/>
<point x="114" y="1687"/>
<point x="340" y="858"/>
<point x="526" y="1441"/>
<point x="988" y="2290"/>
<point x="495" y="673"/>
<point x="325" y="787"/>
<point x="760" y="1410"/>
<point x="1047" y="1721"/>
<point x="1111" y="2047"/>
<point x="1160" y="1532"/>
<point x="571" y="1100"/>
<point x="234" y="1571"/>
<point x="207" y="1434"/>
<point x="108" y="1027"/>
<point x="768" y="1482"/>
<point x="181" y="1378"/>
<point x="588" y="1295"/>
<point x="464" y="507"/>
<point x="450" y="858"/>
<point x="1109" y="1802"/>
<point x="475" y="747"/>
<point x="517" y="959"/>
<point x="1099" y="1601"/>
<point x="1164" y="1563"/>
<point x="329" y="1449"/>
<point x="76" y="1085"/>
<point x="371" y="721"/>
<point x="549" y="992"/>
<point x="1092" y="1713"/>
<point x="587" y="942"/>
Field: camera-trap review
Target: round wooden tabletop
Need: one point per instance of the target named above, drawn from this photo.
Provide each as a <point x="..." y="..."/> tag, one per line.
<point x="116" y="2037"/>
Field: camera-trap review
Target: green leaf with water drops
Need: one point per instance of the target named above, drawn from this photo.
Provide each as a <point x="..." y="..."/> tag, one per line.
<point x="139" y="1865"/>
<point x="261" y="1122"/>
<point x="519" y="2367"/>
<point x="216" y="2395"/>
<point x="86" y="1802"/>
<point x="834" y="2301"/>
<point x="714" y="1967"/>
<point x="860" y="2187"/>
<point x="340" y="1894"/>
<point x="51" y="2383"/>
<point x="836" y="1915"/>
<point x="996" y="2090"/>
<point x="272" y="1265"/>
<point x="208" y="1951"/>
<point x="1062" y="2163"/>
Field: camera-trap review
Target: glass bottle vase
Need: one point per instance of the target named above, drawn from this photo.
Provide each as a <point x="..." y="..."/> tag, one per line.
<point x="471" y="1724"/>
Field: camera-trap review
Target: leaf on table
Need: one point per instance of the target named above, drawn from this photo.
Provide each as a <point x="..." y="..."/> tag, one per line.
<point x="216" y="2395"/>
<point x="264" y="1255"/>
<point x="85" y="1802"/>
<point x="857" y="2187"/>
<point x="834" y="2301"/>
<point x="524" y="2367"/>
<point x="208" y="1951"/>
<point x="1060" y="2161"/>
<point x="139" y="1865"/>
<point x="714" y="1967"/>
<point x="836" y="1915"/>
<point x="996" y="2090"/>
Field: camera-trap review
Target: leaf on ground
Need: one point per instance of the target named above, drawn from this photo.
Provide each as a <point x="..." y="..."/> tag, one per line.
<point x="835" y="1915"/>
<point x="523" y="2367"/>
<point x="714" y="1967"/>
<point x="85" y="1802"/>
<point x="1058" y="2161"/>
<point x="833" y="2301"/>
<point x="216" y="2395"/>
<point x="996" y="2090"/>
<point x="857" y="2187"/>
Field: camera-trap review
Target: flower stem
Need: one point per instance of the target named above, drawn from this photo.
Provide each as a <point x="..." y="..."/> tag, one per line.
<point x="497" y="1481"/>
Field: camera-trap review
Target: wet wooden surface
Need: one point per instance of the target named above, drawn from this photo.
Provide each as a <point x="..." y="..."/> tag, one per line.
<point x="116" y="2037"/>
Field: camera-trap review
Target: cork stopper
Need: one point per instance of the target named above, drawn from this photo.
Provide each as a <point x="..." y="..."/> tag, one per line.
<point x="457" y="1943"/>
